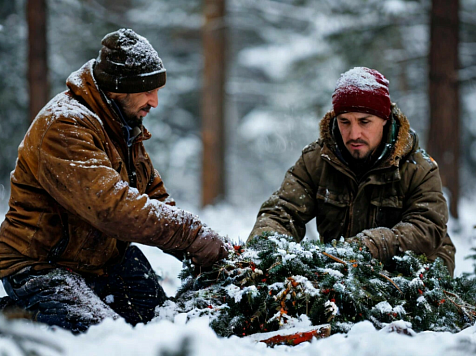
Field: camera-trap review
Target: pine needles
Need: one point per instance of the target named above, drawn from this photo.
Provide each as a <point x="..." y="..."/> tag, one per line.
<point x="274" y="281"/>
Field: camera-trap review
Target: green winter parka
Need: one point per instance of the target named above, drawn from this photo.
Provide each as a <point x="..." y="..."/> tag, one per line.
<point x="398" y="205"/>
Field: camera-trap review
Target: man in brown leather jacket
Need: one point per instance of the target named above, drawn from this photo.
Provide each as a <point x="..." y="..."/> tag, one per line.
<point x="365" y="179"/>
<point x="84" y="188"/>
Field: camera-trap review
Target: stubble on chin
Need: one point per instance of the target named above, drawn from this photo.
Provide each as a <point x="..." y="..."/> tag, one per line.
<point x="359" y="156"/>
<point x="134" y="120"/>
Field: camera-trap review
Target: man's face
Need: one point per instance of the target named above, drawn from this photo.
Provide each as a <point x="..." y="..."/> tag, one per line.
<point x="361" y="133"/>
<point x="135" y="106"/>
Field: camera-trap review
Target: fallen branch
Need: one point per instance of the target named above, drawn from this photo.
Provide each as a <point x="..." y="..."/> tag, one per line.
<point x="391" y="281"/>
<point x="334" y="258"/>
<point x="345" y="263"/>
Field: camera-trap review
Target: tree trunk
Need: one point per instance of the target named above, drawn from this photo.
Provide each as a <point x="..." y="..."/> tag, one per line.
<point x="213" y="102"/>
<point x="444" y="135"/>
<point x="118" y="6"/>
<point x="37" y="56"/>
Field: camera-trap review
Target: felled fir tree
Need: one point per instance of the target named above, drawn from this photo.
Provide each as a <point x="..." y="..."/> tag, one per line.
<point x="273" y="281"/>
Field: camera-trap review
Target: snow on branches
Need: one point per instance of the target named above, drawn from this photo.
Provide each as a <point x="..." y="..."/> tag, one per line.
<point x="275" y="283"/>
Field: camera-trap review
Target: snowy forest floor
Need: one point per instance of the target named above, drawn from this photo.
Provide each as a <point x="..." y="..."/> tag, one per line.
<point x="162" y="337"/>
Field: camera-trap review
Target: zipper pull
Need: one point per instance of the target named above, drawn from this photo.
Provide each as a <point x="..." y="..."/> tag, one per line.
<point x="133" y="179"/>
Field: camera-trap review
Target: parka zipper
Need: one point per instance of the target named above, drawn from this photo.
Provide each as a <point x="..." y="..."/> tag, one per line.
<point x="360" y="185"/>
<point x="131" y="171"/>
<point x="131" y="168"/>
<point x="351" y="215"/>
<point x="348" y="173"/>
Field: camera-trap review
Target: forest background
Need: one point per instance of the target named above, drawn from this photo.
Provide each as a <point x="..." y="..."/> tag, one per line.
<point x="270" y="67"/>
<point x="280" y="61"/>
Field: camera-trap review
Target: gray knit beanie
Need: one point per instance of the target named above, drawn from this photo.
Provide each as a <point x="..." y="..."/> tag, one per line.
<point x="127" y="63"/>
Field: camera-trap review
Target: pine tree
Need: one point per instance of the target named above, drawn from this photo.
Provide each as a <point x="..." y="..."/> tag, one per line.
<point x="274" y="281"/>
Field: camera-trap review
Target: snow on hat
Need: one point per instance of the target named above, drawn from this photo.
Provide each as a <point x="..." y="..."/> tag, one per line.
<point x="362" y="90"/>
<point x="127" y="63"/>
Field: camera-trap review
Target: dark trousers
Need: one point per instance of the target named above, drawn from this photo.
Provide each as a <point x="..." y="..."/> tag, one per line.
<point x="60" y="297"/>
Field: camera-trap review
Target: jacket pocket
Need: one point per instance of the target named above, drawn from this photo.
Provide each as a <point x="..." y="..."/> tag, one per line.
<point x="88" y="246"/>
<point x="96" y="250"/>
<point x="387" y="210"/>
<point x="60" y="247"/>
<point x="332" y="213"/>
<point x="333" y="198"/>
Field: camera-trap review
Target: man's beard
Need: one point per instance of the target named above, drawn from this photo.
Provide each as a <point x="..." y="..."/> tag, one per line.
<point x="132" y="118"/>
<point x="360" y="157"/>
<point x="356" y="154"/>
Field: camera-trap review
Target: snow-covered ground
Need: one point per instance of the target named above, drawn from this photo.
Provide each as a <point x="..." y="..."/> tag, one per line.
<point x="163" y="337"/>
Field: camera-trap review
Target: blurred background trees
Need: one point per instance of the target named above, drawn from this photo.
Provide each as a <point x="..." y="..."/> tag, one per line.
<point x="281" y="59"/>
<point x="443" y="140"/>
<point x="38" y="81"/>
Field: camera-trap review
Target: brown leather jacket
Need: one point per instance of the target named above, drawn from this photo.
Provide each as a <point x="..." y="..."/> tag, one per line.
<point x="72" y="203"/>
<point x="396" y="206"/>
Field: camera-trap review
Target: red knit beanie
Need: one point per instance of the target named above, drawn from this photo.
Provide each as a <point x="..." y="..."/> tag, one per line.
<point x="362" y="90"/>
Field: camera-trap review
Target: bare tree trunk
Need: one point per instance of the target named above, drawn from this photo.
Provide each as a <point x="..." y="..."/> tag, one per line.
<point x="37" y="56"/>
<point x="444" y="133"/>
<point x="118" y="6"/>
<point x="213" y="102"/>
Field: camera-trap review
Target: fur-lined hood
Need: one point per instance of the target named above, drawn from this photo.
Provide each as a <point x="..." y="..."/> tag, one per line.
<point x="405" y="141"/>
<point x="392" y="204"/>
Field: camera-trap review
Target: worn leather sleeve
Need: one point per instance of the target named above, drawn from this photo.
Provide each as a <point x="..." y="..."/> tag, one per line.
<point x="425" y="214"/>
<point x="75" y="170"/>
<point x="289" y="208"/>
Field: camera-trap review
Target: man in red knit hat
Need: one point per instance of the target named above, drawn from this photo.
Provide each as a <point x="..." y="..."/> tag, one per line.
<point x="366" y="179"/>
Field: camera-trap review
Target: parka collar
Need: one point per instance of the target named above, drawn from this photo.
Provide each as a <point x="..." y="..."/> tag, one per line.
<point x="396" y="147"/>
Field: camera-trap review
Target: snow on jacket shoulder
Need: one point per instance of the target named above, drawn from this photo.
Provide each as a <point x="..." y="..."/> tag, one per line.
<point x="398" y="205"/>
<point x="71" y="203"/>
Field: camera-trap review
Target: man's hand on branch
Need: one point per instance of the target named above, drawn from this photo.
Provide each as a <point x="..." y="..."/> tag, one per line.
<point x="363" y="240"/>
<point x="208" y="248"/>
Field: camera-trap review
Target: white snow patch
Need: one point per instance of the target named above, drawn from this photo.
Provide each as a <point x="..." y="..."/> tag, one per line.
<point x="359" y="78"/>
<point x="162" y="335"/>
<point x="237" y="294"/>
